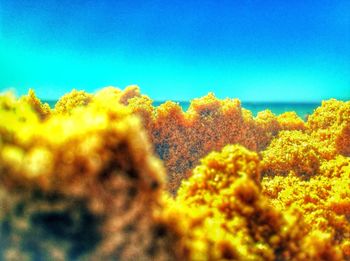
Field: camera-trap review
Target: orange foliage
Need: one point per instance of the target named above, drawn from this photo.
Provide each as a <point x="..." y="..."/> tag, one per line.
<point x="181" y="138"/>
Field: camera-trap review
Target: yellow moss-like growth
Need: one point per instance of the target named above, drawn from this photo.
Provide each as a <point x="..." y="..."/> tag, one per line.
<point x="218" y="171"/>
<point x="324" y="199"/>
<point x="43" y="109"/>
<point x="290" y="121"/>
<point x="267" y="125"/>
<point x="79" y="186"/>
<point x="303" y="170"/>
<point x="315" y="178"/>
<point x="72" y="100"/>
<point x="327" y="115"/>
<point x="131" y="98"/>
<point x="291" y="151"/>
<point x="268" y="121"/>
<point x="331" y="124"/>
<point x="227" y="217"/>
<point x="142" y="106"/>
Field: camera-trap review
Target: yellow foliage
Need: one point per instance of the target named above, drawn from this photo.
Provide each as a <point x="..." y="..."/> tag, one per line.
<point x="291" y="151"/>
<point x="72" y="100"/>
<point x="73" y="184"/>
<point x="228" y="218"/>
<point x="43" y="109"/>
<point x="281" y="192"/>
<point x="290" y="121"/>
<point x="331" y="124"/>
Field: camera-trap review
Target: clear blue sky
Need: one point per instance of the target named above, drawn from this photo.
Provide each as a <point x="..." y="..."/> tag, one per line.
<point x="256" y="50"/>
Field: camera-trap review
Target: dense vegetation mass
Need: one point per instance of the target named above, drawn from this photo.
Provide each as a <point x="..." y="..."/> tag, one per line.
<point x="85" y="180"/>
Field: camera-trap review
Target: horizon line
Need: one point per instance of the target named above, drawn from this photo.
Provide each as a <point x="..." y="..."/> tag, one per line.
<point x="242" y="101"/>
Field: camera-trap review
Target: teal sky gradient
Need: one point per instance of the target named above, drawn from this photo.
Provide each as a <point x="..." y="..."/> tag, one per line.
<point x="254" y="50"/>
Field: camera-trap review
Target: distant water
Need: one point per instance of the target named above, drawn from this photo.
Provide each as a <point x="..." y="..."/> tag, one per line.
<point x="302" y="109"/>
<point x="50" y="102"/>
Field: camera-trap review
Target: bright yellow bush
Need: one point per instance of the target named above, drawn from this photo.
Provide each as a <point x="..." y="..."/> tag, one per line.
<point x="82" y="185"/>
<point x="72" y="100"/>
<point x="291" y="151"/>
<point x="331" y="124"/>
<point x="280" y="192"/>
<point x="228" y="218"/>
<point x="324" y="199"/>
<point x="43" y="109"/>
<point x="290" y="121"/>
